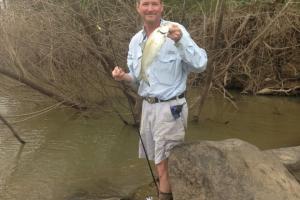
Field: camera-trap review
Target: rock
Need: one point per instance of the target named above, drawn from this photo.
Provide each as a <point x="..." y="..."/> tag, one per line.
<point x="229" y="170"/>
<point x="290" y="157"/>
<point x="144" y="191"/>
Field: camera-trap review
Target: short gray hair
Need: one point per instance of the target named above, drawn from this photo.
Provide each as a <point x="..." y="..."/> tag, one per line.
<point x="138" y="1"/>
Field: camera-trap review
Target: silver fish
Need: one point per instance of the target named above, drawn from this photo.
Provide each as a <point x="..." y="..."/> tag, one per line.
<point x="151" y="49"/>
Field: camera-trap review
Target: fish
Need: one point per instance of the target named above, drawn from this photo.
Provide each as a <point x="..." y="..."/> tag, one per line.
<point x="153" y="44"/>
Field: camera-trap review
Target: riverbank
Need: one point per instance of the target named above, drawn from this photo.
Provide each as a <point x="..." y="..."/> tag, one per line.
<point x="257" y="50"/>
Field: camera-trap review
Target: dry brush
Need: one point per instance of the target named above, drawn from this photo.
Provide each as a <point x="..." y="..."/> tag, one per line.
<point x="68" y="48"/>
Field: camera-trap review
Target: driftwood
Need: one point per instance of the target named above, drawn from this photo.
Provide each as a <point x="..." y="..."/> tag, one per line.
<point x="12" y="130"/>
<point x="280" y="91"/>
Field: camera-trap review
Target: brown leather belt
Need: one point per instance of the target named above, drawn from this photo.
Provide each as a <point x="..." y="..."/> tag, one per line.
<point x="153" y="100"/>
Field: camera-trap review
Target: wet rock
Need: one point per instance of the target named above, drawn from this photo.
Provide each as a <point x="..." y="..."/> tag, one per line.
<point x="229" y="169"/>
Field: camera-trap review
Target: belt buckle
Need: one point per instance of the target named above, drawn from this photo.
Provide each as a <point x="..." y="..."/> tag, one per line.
<point x="150" y="100"/>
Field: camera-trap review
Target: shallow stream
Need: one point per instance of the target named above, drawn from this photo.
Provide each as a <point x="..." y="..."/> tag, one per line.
<point x="68" y="154"/>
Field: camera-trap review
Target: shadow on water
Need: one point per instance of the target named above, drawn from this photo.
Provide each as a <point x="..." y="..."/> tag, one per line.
<point x="72" y="157"/>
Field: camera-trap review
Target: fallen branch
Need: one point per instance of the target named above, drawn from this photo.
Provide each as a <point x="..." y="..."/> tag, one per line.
<point x="12" y="130"/>
<point x="281" y="91"/>
<point x="40" y="89"/>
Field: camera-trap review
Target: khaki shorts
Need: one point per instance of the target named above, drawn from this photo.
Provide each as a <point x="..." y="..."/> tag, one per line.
<point x="160" y="131"/>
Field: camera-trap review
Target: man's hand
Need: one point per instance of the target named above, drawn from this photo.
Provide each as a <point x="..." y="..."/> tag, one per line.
<point x="118" y="74"/>
<point x="175" y="33"/>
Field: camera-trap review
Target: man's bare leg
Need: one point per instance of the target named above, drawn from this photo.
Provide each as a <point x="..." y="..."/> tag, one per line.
<point x="164" y="184"/>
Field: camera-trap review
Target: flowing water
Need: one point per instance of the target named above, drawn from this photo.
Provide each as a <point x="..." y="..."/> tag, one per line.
<point x="69" y="154"/>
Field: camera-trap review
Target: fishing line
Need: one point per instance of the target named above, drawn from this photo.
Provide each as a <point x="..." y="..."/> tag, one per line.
<point x="143" y="145"/>
<point x="139" y="133"/>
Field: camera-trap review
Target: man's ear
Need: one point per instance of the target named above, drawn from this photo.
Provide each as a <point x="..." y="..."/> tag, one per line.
<point x="137" y="6"/>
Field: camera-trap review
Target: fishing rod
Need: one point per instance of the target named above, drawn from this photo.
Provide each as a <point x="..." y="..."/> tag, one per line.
<point x="131" y="107"/>
<point x="138" y="130"/>
<point x="87" y="28"/>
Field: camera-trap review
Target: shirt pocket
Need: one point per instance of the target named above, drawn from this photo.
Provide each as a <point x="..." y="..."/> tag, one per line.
<point x="166" y="68"/>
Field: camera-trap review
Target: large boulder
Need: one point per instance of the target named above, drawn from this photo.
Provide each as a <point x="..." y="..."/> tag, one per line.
<point x="229" y="170"/>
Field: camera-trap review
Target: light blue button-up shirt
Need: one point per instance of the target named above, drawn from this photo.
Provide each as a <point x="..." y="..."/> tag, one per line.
<point x="167" y="74"/>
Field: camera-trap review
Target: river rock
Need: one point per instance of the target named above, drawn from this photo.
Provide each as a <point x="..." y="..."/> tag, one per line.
<point x="229" y="170"/>
<point x="290" y="157"/>
<point x="147" y="190"/>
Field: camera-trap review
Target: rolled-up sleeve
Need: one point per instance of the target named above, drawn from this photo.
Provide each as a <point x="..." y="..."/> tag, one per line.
<point x="130" y="65"/>
<point x="193" y="56"/>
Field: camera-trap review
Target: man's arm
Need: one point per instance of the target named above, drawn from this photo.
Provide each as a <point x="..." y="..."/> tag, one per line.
<point x="194" y="56"/>
<point x="119" y="74"/>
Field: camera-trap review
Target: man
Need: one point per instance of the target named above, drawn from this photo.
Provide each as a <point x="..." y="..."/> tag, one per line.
<point x="164" y="111"/>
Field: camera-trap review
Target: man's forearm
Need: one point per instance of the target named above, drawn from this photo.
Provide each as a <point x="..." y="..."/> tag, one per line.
<point x="127" y="78"/>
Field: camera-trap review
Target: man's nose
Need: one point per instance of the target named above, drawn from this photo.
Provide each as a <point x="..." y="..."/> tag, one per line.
<point x="150" y="7"/>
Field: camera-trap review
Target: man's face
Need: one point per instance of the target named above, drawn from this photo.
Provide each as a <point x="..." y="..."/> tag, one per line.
<point x="150" y="10"/>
